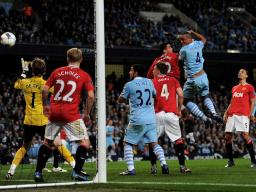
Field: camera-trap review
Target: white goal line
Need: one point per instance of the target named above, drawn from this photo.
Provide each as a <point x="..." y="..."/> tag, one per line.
<point x="44" y="185"/>
<point x="119" y="182"/>
<point x="186" y="183"/>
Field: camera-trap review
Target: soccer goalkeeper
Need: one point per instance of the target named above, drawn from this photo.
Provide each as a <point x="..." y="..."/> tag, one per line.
<point x="31" y="83"/>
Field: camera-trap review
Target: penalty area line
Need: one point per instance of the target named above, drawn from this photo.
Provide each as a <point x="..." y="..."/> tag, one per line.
<point x="186" y="183"/>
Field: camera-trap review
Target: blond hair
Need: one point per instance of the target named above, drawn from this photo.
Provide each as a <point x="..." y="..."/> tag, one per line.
<point x="74" y="55"/>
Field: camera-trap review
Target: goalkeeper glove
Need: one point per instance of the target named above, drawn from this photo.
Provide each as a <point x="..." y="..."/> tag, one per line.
<point x="26" y="65"/>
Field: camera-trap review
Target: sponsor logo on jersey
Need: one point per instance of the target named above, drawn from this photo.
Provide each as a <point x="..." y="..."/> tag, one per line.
<point x="237" y="94"/>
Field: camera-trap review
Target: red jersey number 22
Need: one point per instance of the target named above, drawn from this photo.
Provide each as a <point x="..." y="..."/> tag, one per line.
<point x="66" y="97"/>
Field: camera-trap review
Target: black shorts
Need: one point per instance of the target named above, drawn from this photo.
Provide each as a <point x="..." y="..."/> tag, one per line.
<point x="31" y="130"/>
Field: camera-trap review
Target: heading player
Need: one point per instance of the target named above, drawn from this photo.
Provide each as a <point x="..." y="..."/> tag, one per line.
<point x="197" y="80"/>
<point x="168" y="94"/>
<point x="140" y="92"/>
<point x="63" y="111"/>
<point x="169" y="58"/>
<point x="238" y="116"/>
<point x="35" y="120"/>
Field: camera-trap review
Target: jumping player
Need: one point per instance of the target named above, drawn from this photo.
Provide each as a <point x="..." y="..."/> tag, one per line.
<point x="197" y="80"/>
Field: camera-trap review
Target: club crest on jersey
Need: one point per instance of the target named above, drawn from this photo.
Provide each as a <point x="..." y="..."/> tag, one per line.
<point x="168" y="57"/>
<point x="237" y="94"/>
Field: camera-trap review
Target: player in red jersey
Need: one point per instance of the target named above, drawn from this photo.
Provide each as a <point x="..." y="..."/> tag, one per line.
<point x="238" y="116"/>
<point x="168" y="94"/>
<point x="63" y="111"/>
<point x="169" y="58"/>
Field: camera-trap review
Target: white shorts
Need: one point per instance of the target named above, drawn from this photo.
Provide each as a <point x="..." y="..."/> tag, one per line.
<point x="75" y="130"/>
<point x="168" y="123"/>
<point x="237" y="123"/>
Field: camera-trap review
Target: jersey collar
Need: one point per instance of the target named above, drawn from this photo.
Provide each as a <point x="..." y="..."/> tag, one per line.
<point x="73" y="66"/>
<point x="161" y="75"/>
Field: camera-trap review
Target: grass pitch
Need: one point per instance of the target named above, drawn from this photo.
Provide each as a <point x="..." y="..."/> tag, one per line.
<point x="207" y="175"/>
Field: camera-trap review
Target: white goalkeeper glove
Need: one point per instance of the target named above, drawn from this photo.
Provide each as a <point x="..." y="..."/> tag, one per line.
<point x="25" y="67"/>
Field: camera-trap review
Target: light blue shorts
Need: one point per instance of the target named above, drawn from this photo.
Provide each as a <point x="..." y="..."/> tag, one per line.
<point x="196" y="86"/>
<point x="109" y="142"/>
<point x="33" y="151"/>
<point x="134" y="133"/>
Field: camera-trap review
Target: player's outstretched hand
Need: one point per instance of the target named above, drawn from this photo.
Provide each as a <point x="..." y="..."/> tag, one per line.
<point x="25" y="65"/>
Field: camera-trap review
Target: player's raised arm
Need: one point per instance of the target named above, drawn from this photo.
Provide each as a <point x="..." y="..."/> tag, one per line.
<point x="150" y="71"/>
<point x="199" y="36"/>
<point x="25" y="73"/>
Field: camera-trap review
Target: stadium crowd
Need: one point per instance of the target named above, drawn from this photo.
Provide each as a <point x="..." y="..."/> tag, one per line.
<point x="50" y="22"/>
<point x="206" y="141"/>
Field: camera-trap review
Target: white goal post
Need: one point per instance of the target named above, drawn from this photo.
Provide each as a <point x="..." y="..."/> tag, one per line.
<point x="101" y="92"/>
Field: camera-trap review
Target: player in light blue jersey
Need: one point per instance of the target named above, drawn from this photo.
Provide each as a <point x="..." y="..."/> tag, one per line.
<point x="109" y="139"/>
<point x="197" y="81"/>
<point x="140" y="93"/>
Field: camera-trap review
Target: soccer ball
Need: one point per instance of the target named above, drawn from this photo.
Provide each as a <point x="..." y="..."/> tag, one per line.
<point x="8" y="38"/>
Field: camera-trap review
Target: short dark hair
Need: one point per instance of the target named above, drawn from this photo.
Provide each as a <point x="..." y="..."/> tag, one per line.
<point x="187" y="34"/>
<point x="140" y="69"/>
<point x="163" y="46"/>
<point x="162" y="67"/>
<point x="74" y="55"/>
<point x="38" y="67"/>
<point x="247" y="73"/>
